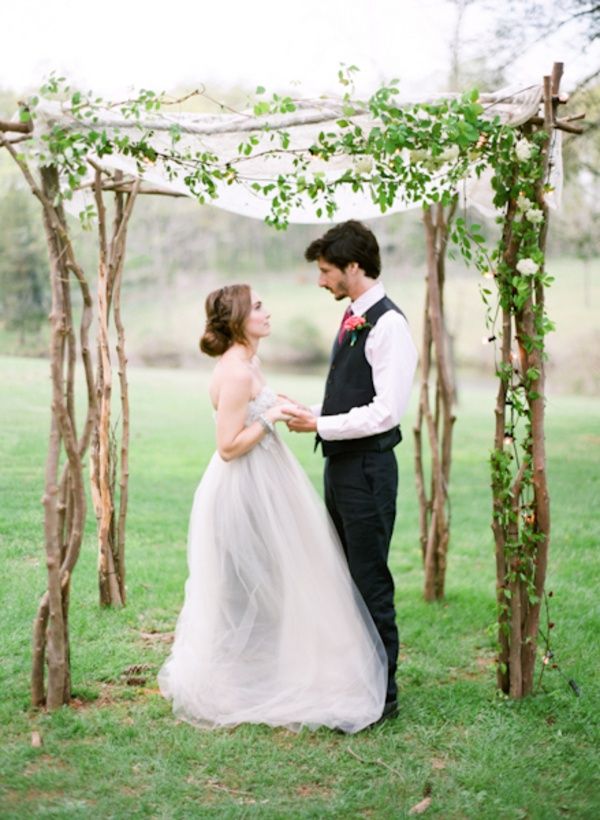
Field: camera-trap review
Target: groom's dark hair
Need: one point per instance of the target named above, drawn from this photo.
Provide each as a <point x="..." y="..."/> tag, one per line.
<point x="346" y="243"/>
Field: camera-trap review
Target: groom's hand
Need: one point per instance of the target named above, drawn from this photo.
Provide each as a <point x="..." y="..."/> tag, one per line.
<point x="302" y="421"/>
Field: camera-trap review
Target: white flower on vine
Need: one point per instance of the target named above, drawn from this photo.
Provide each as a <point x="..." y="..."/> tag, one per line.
<point x="527" y="267"/>
<point x="418" y="155"/>
<point x="523" y="150"/>
<point x="363" y="165"/>
<point x="534" y="215"/>
<point x="451" y="154"/>
<point x="523" y="204"/>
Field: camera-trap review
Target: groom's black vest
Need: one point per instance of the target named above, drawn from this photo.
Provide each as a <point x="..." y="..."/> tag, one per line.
<point x="350" y="384"/>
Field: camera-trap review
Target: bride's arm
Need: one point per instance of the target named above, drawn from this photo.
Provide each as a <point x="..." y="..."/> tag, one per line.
<point x="233" y="437"/>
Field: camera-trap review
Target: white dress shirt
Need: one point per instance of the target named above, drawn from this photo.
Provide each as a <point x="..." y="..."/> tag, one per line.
<point x="392" y="355"/>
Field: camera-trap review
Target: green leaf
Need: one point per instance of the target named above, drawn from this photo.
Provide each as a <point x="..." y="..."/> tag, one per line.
<point x="261" y="108"/>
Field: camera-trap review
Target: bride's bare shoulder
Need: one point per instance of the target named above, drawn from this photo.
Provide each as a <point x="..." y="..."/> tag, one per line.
<point x="232" y="369"/>
<point x="232" y="374"/>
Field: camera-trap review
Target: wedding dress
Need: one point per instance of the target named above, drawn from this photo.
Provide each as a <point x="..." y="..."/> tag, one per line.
<point x="272" y="629"/>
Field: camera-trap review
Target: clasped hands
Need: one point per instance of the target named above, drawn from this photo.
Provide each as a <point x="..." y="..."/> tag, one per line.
<point x="298" y="417"/>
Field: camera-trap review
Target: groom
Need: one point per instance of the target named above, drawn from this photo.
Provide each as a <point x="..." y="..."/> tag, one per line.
<point x="367" y="390"/>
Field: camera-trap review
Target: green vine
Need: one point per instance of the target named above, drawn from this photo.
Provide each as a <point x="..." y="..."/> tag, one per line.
<point x="519" y="257"/>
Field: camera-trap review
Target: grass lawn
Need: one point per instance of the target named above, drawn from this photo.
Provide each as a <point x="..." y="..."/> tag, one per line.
<point x="118" y="753"/>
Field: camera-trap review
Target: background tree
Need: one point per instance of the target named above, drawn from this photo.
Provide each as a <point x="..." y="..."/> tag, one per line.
<point x="24" y="287"/>
<point x="520" y="26"/>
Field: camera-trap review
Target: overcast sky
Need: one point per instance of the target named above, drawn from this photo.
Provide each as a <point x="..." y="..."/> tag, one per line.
<point x="113" y="46"/>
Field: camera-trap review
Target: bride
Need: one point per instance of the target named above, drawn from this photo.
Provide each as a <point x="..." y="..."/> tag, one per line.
<point x="272" y="629"/>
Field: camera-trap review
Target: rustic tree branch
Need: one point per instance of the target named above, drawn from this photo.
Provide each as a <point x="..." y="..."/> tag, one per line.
<point x="16" y="127"/>
<point x="433" y="520"/>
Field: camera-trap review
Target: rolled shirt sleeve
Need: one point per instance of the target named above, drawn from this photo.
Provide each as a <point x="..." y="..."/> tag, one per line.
<point x="393" y="357"/>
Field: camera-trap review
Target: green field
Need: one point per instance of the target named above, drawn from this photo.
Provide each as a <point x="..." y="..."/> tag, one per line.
<point x="164" y="319"/>
<point x="118" y="753"/>
<point x="163" y="325"/>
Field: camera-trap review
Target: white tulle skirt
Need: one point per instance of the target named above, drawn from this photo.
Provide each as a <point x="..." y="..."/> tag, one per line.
<point x="272" y="629"/>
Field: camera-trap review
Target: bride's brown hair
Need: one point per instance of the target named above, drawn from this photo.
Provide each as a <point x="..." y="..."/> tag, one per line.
<point x="226" y="312"/>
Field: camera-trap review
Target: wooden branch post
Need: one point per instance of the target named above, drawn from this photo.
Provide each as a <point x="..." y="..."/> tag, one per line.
<point x="111" y="515"/>
<point x="64" y="494"/>
<point x="436" y="409"/>
<point x="64" y="498"/>
<point x="521" y="505"/>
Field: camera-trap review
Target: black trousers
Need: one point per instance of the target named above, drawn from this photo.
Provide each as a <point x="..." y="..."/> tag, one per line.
<point x="360" y="495"/>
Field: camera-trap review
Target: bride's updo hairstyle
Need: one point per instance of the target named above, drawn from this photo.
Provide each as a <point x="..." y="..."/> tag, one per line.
<point x="226" y="312"/>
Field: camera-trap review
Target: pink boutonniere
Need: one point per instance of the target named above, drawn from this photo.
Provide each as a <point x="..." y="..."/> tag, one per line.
<point x="353" y="325"/>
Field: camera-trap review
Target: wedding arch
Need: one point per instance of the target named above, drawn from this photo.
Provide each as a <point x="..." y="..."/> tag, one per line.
<point x="304" y="161"/>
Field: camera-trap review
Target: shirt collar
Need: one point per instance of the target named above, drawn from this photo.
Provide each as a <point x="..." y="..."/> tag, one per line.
<point x="366" y="300"/>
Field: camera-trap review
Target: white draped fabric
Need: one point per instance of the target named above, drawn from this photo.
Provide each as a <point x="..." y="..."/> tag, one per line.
<point x="221" y="134"/>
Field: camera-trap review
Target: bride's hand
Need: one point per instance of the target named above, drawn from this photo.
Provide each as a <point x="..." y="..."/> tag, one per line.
<point x="281" y="412"/>
<point x="283" y="399"/>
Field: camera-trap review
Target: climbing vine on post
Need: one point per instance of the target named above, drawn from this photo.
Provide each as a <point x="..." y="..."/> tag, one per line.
<point x="521" y="505"/>
<point x="518" y="323"/>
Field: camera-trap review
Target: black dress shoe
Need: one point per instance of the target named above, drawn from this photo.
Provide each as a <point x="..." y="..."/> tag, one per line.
<point x="390" y="711"/>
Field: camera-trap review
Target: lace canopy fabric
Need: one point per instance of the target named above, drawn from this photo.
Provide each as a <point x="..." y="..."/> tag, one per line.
<point x="221" y="134"/>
